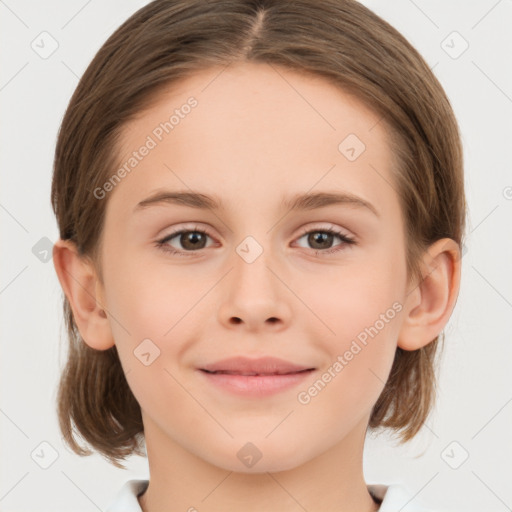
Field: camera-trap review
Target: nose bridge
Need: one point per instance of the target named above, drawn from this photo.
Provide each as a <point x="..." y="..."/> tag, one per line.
<point x="255" y="296"/>
<point x="252" y="262"/>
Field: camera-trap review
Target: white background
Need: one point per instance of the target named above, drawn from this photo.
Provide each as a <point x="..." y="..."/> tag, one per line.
<point x="474" y="406"/>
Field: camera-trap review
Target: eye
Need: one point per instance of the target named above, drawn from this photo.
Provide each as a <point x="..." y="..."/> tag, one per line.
<point x="321" y="240"/>
<point x="193" y="240"/>
<point x="190" y="239"/>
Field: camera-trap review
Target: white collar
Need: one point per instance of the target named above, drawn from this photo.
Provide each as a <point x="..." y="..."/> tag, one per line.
<point x="394" y="496"/>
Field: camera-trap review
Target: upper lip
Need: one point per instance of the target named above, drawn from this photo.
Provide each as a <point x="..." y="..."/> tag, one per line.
<point x="260" y="366"/>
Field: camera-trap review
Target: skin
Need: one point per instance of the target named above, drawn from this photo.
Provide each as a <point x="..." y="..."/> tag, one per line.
<point x="259" y="134"/>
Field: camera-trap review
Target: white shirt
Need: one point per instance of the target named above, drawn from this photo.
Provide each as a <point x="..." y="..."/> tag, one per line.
<point x="394" y="497"/>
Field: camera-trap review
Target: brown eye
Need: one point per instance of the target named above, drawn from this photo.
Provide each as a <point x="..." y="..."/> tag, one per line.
<point x="192" y="240"/>
<point x="188" y="240"/>
<point x="321" y="240"/>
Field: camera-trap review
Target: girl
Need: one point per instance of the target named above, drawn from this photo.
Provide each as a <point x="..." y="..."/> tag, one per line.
<point x="261" y="210"/>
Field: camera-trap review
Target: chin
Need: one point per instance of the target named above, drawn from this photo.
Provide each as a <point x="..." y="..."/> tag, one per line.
<point x="259" y="456"/>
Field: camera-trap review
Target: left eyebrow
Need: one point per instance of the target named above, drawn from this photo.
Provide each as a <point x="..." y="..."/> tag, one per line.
<point x="309" y="201"/>
<point x="321" y="199"/>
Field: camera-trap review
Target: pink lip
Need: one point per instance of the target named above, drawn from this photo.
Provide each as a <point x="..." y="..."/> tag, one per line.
<point x="255" y="377"/>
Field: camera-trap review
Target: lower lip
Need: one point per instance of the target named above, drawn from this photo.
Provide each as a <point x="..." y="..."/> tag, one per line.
<point x="256" y="385"/>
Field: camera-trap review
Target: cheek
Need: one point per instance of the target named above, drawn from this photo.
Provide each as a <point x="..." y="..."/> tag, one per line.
<point x="360" y="313"/>
<point x="156" y="312"/>
<point x="150" y="300"/>
<point x="359" y="357"/>
<point x="352" y="298"/>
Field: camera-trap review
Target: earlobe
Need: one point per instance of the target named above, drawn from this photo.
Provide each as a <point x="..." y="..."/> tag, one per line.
<point x="83" y="290"/>
<point x="430" y="303"/>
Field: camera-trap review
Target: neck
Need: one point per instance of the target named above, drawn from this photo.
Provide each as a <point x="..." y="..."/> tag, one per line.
<point x="181" y="481"/>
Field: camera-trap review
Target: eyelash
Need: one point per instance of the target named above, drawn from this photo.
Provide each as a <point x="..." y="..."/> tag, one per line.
<point x="347" y="241"/>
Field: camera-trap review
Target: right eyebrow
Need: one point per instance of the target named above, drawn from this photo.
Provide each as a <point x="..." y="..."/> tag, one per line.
<point x="191" y="199"/>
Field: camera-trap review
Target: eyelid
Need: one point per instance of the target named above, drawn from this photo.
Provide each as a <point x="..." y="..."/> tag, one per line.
<point x="305" y="229"/>
<point x="186" y="227"/>
<point x="183" y="228"/>
<point x="347" y="239"/>
<point x="331" y="227"/>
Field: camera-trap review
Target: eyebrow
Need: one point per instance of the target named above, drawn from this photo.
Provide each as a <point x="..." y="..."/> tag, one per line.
<point x="308" y="201"/>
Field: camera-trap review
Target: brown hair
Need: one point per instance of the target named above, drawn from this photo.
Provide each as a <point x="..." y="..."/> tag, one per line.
<point x="168" y="40"/>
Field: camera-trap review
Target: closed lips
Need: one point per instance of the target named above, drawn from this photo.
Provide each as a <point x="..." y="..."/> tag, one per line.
<point x="257" y="378"/>
<point x="254" y="367"/>
<point x="253" y="374"/>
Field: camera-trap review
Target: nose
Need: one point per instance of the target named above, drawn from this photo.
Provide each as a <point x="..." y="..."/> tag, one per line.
<point x="253" y="296"/>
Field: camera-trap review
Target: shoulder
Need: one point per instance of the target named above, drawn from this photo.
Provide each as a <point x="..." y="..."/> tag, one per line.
<point x="397" y="496"/>
<point x="126" y="499"/>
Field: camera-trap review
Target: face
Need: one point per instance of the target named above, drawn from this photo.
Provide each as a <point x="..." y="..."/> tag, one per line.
<point x="256" y="271"/>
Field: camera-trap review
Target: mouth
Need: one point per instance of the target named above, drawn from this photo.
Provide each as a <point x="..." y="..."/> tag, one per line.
<point x="260" y="366"/>
<point x="255" y="378"/>
<point x="255" y="374"/>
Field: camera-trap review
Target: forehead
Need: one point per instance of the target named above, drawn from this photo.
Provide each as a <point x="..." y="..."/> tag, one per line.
<point x="271" y="129"/>
<point x="258" y="92"/>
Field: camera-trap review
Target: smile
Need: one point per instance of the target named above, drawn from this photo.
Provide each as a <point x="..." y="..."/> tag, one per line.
<point x="254" y="377"/>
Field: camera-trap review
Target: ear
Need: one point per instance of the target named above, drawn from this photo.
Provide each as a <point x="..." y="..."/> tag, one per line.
<point x="430" y="303"/>
<point x="84" y="292"/>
